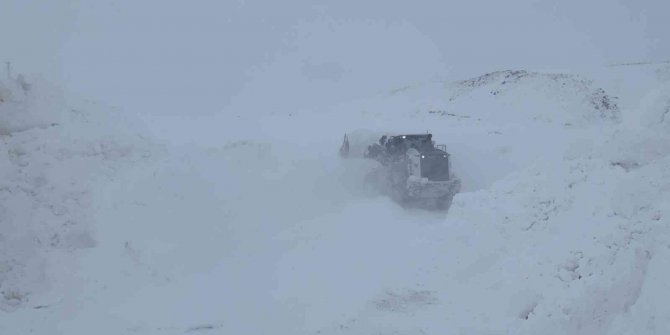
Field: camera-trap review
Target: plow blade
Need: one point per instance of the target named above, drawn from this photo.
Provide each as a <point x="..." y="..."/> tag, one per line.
<point x="421" y="188"/>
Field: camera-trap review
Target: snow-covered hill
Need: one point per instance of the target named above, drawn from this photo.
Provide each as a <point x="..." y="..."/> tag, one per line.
<point x="501" y="97"/>
<point x="253" y="225"/>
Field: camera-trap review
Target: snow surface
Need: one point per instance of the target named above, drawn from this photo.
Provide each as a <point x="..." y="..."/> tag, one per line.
<point x="244" y="224"/>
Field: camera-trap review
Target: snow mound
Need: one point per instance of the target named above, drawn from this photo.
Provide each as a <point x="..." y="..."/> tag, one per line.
<point x="551" y="97"/>
<point x="55" y="164"/>
<point x="26" y="104"/>
<point x="499" y="98"/>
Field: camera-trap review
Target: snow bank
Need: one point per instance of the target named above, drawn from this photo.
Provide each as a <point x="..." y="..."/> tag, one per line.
<point x="55" y="164"/>
<point x="500" y="98"/>
<point x="28" y="103"/>
<point x="547" y="97"/>
<point x="578" y="233"/>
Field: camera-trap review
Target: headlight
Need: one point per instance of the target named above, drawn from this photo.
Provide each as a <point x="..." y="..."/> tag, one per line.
<point x="422" y="156"/>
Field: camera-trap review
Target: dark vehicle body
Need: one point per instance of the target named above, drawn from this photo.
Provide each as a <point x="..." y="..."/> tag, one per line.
<point x="414" y="169"/>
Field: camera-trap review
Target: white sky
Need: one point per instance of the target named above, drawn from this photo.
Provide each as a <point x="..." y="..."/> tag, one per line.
<point x="201" y="57"/>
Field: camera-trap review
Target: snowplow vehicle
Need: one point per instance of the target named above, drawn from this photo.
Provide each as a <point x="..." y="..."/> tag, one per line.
<point x="413" y="170"/>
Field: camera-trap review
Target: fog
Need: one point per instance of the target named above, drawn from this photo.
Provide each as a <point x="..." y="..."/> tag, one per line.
<point x="172" y="167"/>
<point x="172" y="57"/>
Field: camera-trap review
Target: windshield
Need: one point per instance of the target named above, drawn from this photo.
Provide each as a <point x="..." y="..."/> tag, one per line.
<point x="399" y="144"/>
